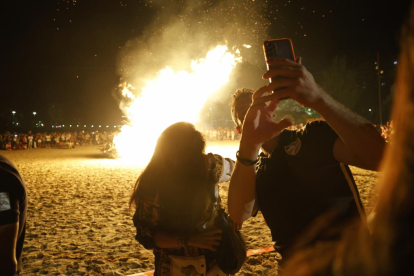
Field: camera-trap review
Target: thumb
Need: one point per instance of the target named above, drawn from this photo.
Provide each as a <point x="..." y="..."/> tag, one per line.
<point x="279" y="127"/>
<point x="284" y="123"/>
<point x="273" y="105"/>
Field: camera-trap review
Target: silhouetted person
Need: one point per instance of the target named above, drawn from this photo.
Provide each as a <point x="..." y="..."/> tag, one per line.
<point x="13" y="208"/>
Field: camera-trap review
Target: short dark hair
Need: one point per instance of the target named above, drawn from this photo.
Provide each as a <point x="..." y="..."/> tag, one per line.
<point x="240" y="93"/>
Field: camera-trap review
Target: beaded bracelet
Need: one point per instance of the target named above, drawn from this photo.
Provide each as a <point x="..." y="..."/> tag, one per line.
<point x="246" y="162"/>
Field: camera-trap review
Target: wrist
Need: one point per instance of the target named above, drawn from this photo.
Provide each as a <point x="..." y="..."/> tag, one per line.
<point x="321" y="100"/>
<point x="248" y="151"/>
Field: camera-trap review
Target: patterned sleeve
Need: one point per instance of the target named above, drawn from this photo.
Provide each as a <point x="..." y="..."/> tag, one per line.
<point x="146" y="220"/>
<point x="222" y="168"/>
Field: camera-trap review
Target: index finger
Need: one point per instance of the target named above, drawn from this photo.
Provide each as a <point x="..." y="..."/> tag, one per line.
<point x="259" y="92"/>
<point x="284" y="62"/>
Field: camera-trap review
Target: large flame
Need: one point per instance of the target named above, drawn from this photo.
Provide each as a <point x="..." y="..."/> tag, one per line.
<point x="169" y="98"/>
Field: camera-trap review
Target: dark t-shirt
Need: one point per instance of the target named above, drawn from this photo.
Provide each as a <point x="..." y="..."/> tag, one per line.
<point x="302" y="180"/>
<point x="13" y="201"/>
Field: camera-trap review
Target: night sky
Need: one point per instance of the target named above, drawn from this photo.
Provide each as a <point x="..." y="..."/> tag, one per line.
<point x="66" y="59"/>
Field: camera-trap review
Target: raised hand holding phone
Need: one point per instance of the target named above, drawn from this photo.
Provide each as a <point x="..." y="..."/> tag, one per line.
<point x="295" y="82"/>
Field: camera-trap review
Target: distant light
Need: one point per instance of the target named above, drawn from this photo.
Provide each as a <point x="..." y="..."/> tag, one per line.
<point x="84" y="125"/>
<point x="34" y="113"/>
<point x="382" y="72"/>
<point x="63" y="125"/>
<point x="91" y="125"/>
<point x="70" y="125"/>
<point x="383" y="84"/>
<point x="247" y="46"/>
<point x="107" y="126"/>
<point x="53" y="126"/>
<point x="395" y="62"/>
<point x="115" y="126"/>
<point x="42" y="125"/>
<point x="77" y="125"/>
<point x="14" y="112"/>
<point x="99" y="125"/>
<point x="17" y="123"/>
<point x="369" y="110"/>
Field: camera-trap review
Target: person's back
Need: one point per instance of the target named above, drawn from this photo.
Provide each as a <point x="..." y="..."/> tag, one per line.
<point x="13" y="208"/>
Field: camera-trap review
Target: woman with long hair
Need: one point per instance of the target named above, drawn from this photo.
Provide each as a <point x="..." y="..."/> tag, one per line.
<point x="389" y="249"/>
<point x="176" y="198"/>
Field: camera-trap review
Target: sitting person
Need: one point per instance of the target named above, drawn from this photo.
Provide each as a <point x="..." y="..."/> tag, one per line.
<point x="176" y="197"/>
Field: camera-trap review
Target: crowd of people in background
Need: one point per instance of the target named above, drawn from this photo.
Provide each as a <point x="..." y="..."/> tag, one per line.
<point x="220" y="134"/>
<point x="30" y="140"/>
<point x="21" y="141"/>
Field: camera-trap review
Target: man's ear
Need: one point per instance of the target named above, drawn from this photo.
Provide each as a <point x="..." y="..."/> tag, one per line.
<point x="238" y="129"/>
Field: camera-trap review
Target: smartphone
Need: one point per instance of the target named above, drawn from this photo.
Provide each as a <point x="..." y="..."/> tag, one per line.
<point x="279" y="48"/>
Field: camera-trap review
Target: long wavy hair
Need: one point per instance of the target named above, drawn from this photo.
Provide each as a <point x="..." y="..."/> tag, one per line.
<point x="389" y="250"/>
<point x="394" y="226"/>
<point x="177" y="173"/>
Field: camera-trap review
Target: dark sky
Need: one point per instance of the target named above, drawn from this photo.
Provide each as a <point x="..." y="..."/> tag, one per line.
<point x="63" y="58"/>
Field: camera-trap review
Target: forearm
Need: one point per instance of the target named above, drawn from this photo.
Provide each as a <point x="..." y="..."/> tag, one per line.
<point x="356" y="132"/>
<point x="242" y="191"/>
<point x="166" y="240"/>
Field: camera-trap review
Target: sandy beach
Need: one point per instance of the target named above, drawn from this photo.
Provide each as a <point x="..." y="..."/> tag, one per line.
<point x="79" y="222"/>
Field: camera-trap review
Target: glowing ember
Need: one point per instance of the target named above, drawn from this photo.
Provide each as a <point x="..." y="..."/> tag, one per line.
<point x="169" y="98"/>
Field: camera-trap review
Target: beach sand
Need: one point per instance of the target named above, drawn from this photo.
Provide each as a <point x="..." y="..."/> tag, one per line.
<point x="79" y="222"/>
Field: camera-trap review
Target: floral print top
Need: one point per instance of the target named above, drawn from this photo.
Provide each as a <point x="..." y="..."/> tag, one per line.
<point x="186" y="260"/>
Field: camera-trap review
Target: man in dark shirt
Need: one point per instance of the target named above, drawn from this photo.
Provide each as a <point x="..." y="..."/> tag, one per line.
<point x="303" y="173"/>
<point x="13" y="208"/>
